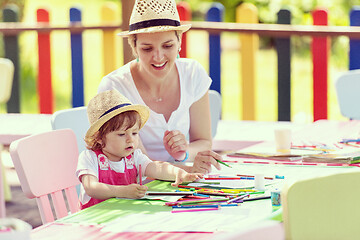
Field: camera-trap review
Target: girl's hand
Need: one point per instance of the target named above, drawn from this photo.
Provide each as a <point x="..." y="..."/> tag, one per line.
<point x="204" y="160"/>
<point x="135" y="191"/>
<point x="175" y="144"/>
<point x="183" y="176"/>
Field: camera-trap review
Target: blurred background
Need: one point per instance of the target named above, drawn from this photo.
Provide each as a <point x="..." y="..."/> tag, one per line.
<point x="266" y="67"/>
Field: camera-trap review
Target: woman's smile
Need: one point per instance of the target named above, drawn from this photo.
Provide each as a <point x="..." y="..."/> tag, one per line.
<point x="159" y="66"/>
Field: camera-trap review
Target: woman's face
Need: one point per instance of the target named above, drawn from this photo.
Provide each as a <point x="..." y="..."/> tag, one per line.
<point x="157" y="52"/>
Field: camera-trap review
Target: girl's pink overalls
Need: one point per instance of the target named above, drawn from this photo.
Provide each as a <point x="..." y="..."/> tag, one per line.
<point x="109" y="176"/>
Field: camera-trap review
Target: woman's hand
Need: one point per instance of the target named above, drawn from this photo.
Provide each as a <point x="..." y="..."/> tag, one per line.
<point x="183" y="176"/>
<point x="204" y="160"/>
<point x="175" y="144"/>
<point x="135" y="191"/>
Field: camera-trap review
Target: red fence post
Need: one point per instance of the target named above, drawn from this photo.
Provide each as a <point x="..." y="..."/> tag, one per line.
<point x="44" y="75"/>
<point x="320" y="66"/>
<point x="185" y="15"/>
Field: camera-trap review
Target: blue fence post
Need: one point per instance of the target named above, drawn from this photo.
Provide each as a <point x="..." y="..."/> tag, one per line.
<point x="11" y="46"/>
<point x="284" y="69"/>
<point x="354" y="53"/>
<point x="77" y="61"/>
<point x="215" y="14"/>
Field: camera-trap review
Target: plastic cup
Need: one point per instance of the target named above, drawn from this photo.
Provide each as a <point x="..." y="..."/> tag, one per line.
<point x="283" y="140"/>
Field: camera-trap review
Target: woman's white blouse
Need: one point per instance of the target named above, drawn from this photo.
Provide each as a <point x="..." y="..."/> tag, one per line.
<point x="194" y="83"/>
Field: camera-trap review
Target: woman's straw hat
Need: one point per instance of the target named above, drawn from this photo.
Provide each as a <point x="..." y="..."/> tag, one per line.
<point x="108" y="104"/>
<point x="150" y="16"/>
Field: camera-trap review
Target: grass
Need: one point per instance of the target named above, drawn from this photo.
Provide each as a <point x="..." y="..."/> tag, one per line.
<point x="266" y="82"/>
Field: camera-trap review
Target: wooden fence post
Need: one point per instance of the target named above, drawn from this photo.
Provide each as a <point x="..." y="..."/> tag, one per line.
<point x="108" y="15"/>
<point x="185" y="15"/>
<point x="247" y="13"/>
<point x="46" y="101"/>
<point x="320" y="67"/>
<point x="77" y="67"/>
<point x="215" y="14"/>
<point x="354" y="53"/>
<point x="284" y="69"/>
<point x="11" y="46"/>
<point x="126" y="9"/>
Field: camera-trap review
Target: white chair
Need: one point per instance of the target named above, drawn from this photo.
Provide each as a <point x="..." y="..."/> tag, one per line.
<point x="6" y="80"/>
<point x="45" y="164"/>
<point x="74" y="118"/>
<point x="348" y="88"/>
<point x="324" y="207"/>
<point x="215" y="110"/>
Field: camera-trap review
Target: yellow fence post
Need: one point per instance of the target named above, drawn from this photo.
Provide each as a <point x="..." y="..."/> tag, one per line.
<point x="109" y="15"/>
<point x="247" y="13"/>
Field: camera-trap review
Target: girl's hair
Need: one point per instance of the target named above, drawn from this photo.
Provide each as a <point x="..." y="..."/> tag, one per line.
<point x="132" y="41"/>
<point x="130" y="118"/>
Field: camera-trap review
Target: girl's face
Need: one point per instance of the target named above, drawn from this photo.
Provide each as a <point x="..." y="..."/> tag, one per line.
<point x="121" y="143"/>
<point x="157" y="52"/>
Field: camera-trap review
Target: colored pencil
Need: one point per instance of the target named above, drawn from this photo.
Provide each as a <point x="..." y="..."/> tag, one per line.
<point x="169" y="193"/>
<point x="140" y="175"/>
<point x="221" y="162"/>
<point x="194" y="210"/>
<point x="256" y="198"/>
<point x="196" y="201"/>
<point x="207" y="205"/>
<point x="238" y="198"/>
<point x="222" y="178"/>
<point x="250" y="176"/>
<point x="215" y="193"/>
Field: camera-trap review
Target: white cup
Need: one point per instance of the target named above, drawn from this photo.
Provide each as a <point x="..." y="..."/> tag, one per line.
<point x="259" y="182"/>
<point x="283" y="140"/>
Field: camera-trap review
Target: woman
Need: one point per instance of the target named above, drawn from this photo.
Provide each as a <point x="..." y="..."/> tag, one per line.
<point x="176" y="90"/>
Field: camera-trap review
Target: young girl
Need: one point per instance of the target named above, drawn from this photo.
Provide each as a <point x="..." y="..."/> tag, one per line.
<point x="111" y="164"/>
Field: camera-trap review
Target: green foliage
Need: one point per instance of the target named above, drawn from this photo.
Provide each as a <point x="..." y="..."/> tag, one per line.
<point x="28" y="89"/>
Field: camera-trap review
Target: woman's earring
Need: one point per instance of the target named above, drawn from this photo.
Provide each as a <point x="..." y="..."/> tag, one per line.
<point x="137" y="59"/>
<point x="178" y="56"/>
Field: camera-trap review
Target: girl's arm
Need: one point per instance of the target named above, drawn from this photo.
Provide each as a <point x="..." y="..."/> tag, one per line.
<point x="166" y="171"/>
<point x="98" y="190"/>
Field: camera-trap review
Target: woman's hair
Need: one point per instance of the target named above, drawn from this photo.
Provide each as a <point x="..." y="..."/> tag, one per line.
<point x="132" y="41"/>
<point x="115" y="123"/>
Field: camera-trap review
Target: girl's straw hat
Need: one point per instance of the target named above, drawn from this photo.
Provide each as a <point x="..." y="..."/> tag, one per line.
<point x="150" y="16"/>
<point x="108" y="104"/>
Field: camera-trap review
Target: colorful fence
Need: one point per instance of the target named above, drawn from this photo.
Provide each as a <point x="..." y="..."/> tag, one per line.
<point x="246" y="13"/>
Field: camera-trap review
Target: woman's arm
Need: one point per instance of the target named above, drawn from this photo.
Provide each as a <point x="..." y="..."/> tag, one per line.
<point x="200" y="145"/>
<point x="98" y="190"/>
<point x="200" y="127"/>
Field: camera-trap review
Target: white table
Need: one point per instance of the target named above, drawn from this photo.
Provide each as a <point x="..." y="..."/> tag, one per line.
<point x="15" y="126"/>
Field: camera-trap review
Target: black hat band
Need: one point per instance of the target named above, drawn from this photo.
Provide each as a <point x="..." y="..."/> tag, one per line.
<point x="153" y="23"/>
<point x="114" y="108"/>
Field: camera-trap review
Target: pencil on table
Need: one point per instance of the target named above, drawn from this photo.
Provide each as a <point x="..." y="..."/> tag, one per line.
<point x="221" y="162"/>
<point x="140" y="175"/>
<point x="194" y="210"/>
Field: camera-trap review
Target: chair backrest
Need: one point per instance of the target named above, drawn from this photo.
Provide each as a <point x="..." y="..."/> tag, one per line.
<point x="322" y="208"/>
<point x="215" y="110"/>
<point x="348" y="88"/>
<point x="75" y="119"/>
<point x="6" y="79"/>
<point x="45" y="164"/>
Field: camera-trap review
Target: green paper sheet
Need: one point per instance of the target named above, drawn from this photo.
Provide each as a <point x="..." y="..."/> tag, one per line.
<point x="113" y="208"/>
